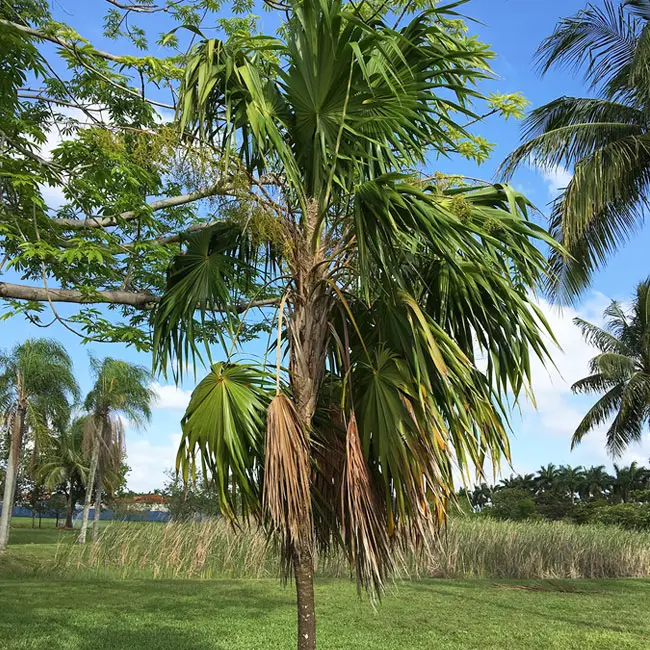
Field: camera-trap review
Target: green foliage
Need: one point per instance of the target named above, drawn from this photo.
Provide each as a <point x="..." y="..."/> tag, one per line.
<point x="512" y="504"/>
<point x="188" y="501"/>
<point x="119" y="154"/>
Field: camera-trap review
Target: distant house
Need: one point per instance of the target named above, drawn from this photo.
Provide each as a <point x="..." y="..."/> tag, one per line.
<point x="143" y="502"/>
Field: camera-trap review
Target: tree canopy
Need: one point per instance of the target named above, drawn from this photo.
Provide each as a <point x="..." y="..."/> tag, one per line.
<point x="100" y="182"/>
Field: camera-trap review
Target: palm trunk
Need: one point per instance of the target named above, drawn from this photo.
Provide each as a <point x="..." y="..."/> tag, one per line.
<point x="98" y="504"/>
<point x="90" y="485"/>
<point x="303" y="564"/>
<point x="308" y="333"/>
<point x="12" y="472"/>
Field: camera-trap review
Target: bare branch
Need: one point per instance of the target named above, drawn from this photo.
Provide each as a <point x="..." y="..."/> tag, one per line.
<point x="140" y="300"/>
<point x="41" y="294"/>
<point x="170" y="202"/>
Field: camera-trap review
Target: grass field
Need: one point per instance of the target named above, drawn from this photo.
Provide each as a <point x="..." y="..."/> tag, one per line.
<point x="45" y="609"/>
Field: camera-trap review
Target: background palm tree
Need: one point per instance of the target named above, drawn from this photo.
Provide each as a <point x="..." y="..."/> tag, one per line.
<point x="547" y="478"/>
<point x="628" y="480"/>
<point x="597" y="483"/>
<point x="64" y="466"/>
<point x="384" y="284"/>
<point x="604" y="139"/>
<point x="36" y="386"/>
<point x="121" y="389"/>
<point x="570" y="480"/>
<point x="620" y="373"/>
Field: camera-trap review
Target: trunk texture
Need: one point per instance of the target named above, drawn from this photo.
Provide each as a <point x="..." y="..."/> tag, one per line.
<point x="12" y="472"/>
<point x="90" y="485"/>
<point x="308" y="332"/>
<point x="69" y="510"/>
<point x="98" y="504"/>
<point x="303" y="564"/>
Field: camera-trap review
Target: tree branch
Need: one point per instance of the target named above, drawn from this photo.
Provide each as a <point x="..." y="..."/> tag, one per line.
<point x="140" y="300"/>
<point x="170" y="202"/>
<point x="75" y="49"/>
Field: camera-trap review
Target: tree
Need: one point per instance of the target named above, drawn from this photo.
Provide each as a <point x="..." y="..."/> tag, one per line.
<point x="620" y="374"/>
<point x="64" y="467"/>
<point x="57" y="504"/>
<point x="597" y="483"/>
<point x="388" y="284"/>
<point x="570" y="480"/>
<point x="627" y="480"/>
<point x="603" y="138"/>
<point x="511" y="503"/>
<point x="525" y="482"/>
<point x="36" y="386"/>
<point x="547" y="478"/>
<point x="132" y="183"/>
<point x="120" y="389"/>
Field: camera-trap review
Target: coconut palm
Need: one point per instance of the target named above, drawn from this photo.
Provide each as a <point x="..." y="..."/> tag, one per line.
<point x="570" y="480"/>
<point x="36" y="387"/>
<point x="604" y="139"/>
<point x="121" y="390"/>
<point x="597" y="483"/>
<point x="620" y="374"/>
<point x="64" y="465"/>
<point x="547" y="478"/>
<point x="525" y="482"/>
<point x="386" y="286"/>
<point x="627" y="480"/>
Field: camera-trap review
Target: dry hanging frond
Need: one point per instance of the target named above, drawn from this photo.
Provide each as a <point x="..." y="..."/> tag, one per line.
<point x="286" y="497"/>
<point x="362" y="517"/>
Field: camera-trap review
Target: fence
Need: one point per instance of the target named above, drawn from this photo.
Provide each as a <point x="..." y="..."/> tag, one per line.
<point x="105" y="515"/>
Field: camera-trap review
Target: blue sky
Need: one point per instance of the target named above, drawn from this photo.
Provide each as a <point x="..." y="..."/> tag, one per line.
<point x="541" y="435"/>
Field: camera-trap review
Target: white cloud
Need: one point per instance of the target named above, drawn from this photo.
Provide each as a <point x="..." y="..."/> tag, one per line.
<point x="149" y="462"/>
<point x="557" y="178"/>
<point x="171" y="397"/>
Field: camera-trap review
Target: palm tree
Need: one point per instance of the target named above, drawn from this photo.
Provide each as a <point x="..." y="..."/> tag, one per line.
<point x="627" y="480"/>
<point x="524" y="482"/>
<point x="620" y="373"/>
<point x="597" y="483"/>
<point x="384" y="285"/>
<point x="570" y="480"/>
<point x="547" y="478"/>
<point x="604" y="138"/>
<point x="65" y="467"/>
<point x="480" y="496"/>
<point x="121" y="389"/>
<point x="36" y="386"/>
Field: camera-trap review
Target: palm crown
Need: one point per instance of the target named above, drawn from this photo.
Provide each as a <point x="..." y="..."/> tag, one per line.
<point x="386" y="285"/>
<point x="621" y="373"/>
<point x="604" y="139"/>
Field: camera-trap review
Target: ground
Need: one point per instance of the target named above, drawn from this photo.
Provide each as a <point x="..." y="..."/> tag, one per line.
<point x="76" y="612"/>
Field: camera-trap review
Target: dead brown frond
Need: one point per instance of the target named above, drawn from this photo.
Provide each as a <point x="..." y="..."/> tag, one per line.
<point x="286" y="491"/>
<point x="363" y="518"/>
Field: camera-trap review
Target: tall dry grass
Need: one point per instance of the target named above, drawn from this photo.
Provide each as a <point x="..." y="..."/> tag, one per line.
<point x="467" y="548"/>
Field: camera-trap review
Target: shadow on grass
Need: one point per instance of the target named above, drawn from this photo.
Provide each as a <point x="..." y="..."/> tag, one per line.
<point x="120" y="615"/>
<point x="523" y="605"/>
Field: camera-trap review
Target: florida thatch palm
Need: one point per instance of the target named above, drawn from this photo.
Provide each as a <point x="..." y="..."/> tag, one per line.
<point x="387" y="288"/>
<point x="620" y="374"/>
<point x="121" y="390"/>
<point x="36" y="389"/>
<point x="604" y="139"/>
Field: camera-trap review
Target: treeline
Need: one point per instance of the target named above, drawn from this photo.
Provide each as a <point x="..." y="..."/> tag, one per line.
<point x="578" y="494"/>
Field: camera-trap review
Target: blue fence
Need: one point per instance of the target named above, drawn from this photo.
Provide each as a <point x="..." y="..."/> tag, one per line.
<point x="105" y="515"/>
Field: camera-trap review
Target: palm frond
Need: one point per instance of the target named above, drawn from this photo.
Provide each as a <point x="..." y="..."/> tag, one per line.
<point x="223" y="430"/>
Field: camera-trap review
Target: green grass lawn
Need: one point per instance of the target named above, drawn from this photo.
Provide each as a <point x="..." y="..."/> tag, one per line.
<point x="45" y="610"/>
